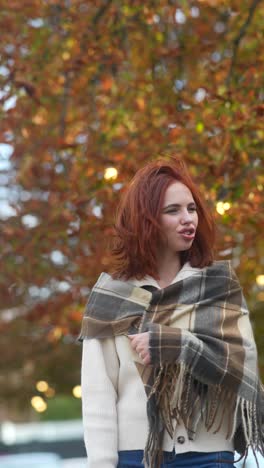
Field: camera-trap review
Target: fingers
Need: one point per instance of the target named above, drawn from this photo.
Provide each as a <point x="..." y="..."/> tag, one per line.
<point x="138" y="346"/>
<point x="131" y="337"/>
<point x="135" y="341"/>
<point x="139" y="343"/>
<point x="145" y="359"/>
<point x="132" y="340"/>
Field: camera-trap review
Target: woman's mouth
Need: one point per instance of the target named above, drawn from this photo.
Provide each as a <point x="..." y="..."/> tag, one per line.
<point x="187" y="234"/>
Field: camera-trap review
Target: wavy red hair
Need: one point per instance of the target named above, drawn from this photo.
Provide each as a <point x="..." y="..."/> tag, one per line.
<point x="137" y="228"/>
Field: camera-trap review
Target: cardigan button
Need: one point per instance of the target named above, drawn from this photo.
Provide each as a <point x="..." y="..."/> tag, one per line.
<point x="180" y="440"/>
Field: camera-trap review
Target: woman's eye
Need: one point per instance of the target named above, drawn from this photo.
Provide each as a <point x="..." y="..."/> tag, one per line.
<point x="177" y="210"/>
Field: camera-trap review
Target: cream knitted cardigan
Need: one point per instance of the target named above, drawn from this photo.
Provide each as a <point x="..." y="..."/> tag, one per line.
<point x="114" y="401"/>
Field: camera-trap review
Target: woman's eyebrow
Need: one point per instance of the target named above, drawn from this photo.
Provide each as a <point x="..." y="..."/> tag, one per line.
<point x="177" y="205"/>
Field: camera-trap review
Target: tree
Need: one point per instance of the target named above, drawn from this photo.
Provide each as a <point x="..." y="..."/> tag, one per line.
<point x="88" y="86"/>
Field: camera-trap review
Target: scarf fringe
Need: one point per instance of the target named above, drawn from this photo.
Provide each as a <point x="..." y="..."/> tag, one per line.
<point x="177" y="395"/>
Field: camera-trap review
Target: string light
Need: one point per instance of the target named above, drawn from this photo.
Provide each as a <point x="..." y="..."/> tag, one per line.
<point x="50" y="392"/>
<point x="38" y="404"/>
<point x="77" y="391"/>
<point x="222" y="207"/>
<point x="110" y="173"/>
<point x="42" y="386"/>
<point x="227" y="206"/>
<point x="260" y="280"/>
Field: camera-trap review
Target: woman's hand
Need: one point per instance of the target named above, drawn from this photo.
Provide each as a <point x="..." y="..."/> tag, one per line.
<point x="140" y="344"/>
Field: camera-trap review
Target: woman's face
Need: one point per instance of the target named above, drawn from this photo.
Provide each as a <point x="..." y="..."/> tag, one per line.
<point x="179" y="219"/>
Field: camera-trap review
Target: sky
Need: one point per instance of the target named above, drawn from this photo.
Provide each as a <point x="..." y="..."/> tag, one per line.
<point x="6" y="209"/>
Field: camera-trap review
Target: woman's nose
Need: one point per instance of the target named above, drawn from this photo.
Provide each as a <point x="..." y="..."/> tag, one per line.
<point x="186" y="217"/>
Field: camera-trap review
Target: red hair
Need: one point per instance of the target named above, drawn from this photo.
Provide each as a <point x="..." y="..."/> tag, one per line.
<point x="137" y="228"/>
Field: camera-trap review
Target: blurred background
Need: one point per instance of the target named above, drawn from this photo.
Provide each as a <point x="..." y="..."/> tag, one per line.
<point x="89" y="92"/>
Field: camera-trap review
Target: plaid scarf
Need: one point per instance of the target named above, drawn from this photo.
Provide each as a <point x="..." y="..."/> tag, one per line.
<point x="206" y="371"/>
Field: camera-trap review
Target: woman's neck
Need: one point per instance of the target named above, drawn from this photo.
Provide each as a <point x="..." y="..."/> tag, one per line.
<point x="168" y="267"/>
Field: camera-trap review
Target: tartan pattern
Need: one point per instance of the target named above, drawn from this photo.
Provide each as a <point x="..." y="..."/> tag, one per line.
<point x="207" y="370"/>
<point x="114" y="308"/>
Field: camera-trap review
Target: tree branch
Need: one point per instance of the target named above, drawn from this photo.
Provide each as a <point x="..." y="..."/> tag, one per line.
<point x="64" y="104"/>
<point x="101" y="11"/>
<point x="238" y="39"/>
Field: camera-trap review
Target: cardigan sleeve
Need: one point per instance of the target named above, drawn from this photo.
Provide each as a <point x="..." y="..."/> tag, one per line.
<point x="99" y="377"/>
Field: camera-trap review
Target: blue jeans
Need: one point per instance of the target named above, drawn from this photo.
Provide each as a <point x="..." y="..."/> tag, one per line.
<point x="133" y="459"/>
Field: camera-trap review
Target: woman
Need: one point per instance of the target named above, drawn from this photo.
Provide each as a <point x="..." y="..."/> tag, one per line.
<point x="169" y="369"/>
